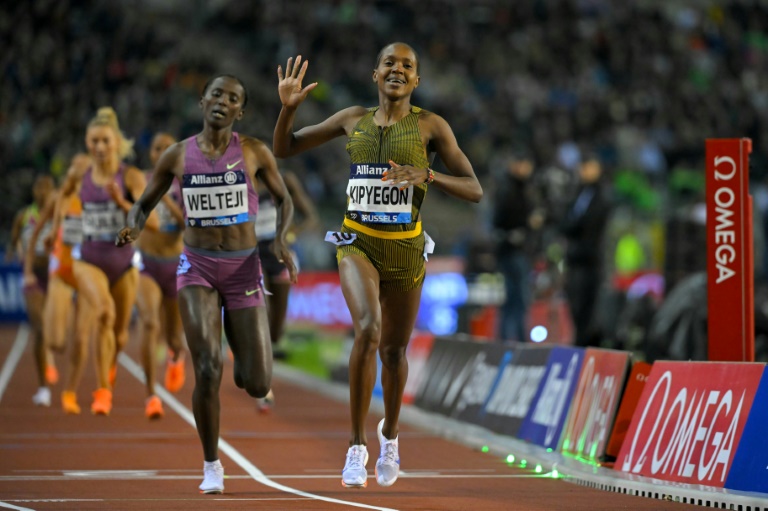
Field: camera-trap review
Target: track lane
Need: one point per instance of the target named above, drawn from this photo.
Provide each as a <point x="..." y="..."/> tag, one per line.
<point x="52" y="461"/>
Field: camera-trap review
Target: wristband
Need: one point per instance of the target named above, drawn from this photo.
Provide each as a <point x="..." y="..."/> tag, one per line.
<point x="430" y="176"/>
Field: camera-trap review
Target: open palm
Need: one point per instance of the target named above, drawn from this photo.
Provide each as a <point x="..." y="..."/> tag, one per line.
<point x="289" y="85"/>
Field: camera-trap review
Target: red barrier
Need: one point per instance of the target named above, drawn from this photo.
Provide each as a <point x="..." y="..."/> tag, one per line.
<point x="730" y="265"/>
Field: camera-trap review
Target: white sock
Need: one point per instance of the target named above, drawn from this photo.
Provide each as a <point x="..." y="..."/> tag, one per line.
<point x="211" y="464"/>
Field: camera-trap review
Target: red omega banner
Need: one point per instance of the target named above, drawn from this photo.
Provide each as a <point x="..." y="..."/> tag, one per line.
<point x="633" y="391"/>
<point x="595" y="403"/>
<point x="730" y="265"/>
<point x="689" y="421"/>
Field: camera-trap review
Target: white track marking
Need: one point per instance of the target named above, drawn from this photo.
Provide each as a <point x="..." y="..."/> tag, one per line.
<point x="226" y="448"/>
<point x="214" y="498"/>
<point x="19" y="345"/>
<point x="159" y="477"/>
<point x="17" y="508"/>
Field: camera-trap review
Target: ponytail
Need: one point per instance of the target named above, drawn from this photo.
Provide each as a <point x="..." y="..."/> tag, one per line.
<point x="106" y="116"/>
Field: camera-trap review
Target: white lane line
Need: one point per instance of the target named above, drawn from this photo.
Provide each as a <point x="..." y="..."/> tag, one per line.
<point x="212" y="498"/>
<point x="17" y="508"/>
<point x="159" y="477"/>
<point x="19" y="345"/>
<point x="227" y="449"/>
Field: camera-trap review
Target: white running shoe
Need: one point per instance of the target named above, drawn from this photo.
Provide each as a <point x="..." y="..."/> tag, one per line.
<point x="388" y="464"/>
<point x="213" y="478"/>
<point x="354" y="474"/>
<point x="264" y="404"/>
<point x="42" y="397"/>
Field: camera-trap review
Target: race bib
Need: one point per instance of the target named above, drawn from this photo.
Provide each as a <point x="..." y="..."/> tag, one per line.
<point x="102" y="220"/>
<point x="168" y="222"/>
<point x="72" y="230"/>
<point x="266" y="221"/>
<point x="26" y="236"/>
<point x="215" y="200"/>
<point x="340" y="238"/>
<point x="372" y="200"/>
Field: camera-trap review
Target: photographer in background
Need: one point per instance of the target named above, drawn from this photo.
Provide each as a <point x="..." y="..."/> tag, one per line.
<point x="515" y="217"/>
<point x="584" y="230"/>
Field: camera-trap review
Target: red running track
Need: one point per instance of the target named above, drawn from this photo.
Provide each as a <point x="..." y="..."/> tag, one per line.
<point x="289" y="460"/>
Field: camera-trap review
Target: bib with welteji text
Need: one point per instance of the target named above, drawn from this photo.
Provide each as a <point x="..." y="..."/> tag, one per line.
<point x="371" y="200"/>
<point x="216" y="199"/>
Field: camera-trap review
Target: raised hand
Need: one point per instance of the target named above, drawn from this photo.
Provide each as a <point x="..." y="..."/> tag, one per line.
<point x="289" y="85"/>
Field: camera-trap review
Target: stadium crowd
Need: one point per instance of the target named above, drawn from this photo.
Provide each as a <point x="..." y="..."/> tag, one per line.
<point x="640" y="85"/>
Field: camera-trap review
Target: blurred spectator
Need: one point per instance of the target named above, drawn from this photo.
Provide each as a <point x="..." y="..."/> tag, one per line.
<point x="643" y="83"/>
<point x="515" y="216"/>
<point x="584" y="229"/>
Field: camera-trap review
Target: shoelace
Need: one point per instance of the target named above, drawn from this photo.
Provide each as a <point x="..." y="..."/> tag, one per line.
<point x="355" y="459"/>
<point x="389" y="452"/>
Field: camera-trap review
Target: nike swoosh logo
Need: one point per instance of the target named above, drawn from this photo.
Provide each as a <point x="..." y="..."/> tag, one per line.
<point x="251" y="292"/>
<point x="357" y="132"/>
<point x="230" y="166"/>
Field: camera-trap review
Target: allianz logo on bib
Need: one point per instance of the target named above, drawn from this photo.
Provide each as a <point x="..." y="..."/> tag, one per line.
<point x="207" y="179"/>
<point x="367" y="169"/>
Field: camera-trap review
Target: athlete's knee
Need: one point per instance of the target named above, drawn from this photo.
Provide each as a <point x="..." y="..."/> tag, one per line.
<point x="105" y="316"/>
<point x="392" y="356"/>
<point x="150" y="324"/>
<point x="121" y="339"/>
<point x="208" y="370"/>
<point x="369" y="334"/>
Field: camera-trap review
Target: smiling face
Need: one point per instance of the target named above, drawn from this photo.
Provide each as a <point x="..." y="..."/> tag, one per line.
<point x="102" y="144"/>
<point x="222" y="102"/>
<point x="396" y="72"/>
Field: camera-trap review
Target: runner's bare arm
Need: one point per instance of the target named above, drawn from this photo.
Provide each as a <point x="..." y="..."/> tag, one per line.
<point x="266" y="169"/>
<point x="46" y="214"/>
<point x="136" y="183"/>
<point x="14" y="249"/>
<point x="301" y="203"/>
<point x="287" y="143"/>
<point x="461" y="181"/>
<point x="162" y="179"/>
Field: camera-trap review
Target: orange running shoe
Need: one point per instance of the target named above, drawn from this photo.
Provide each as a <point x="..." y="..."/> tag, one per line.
<point x="112" y="375"/>
<point x="69" y="403"/>
<point x="154" y="408"/>
<point x="51" y="375"/>
<point x="174" y="375"/>
<point x="102" y="402"/>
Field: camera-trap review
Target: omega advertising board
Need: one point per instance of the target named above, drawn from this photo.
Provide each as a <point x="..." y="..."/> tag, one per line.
<point x="689" y="421"/>
<point x="510" y="398"/>
<point x="451" y="362"/>
<point x="12" y="305"/>
<point x="749" y="471"/>
<point x="730" y="265"/>
<point x="595" y="402"/>
<point x="549" y="409"/>
<point x="633" y="391"/>
<point x="486" y="376"/>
